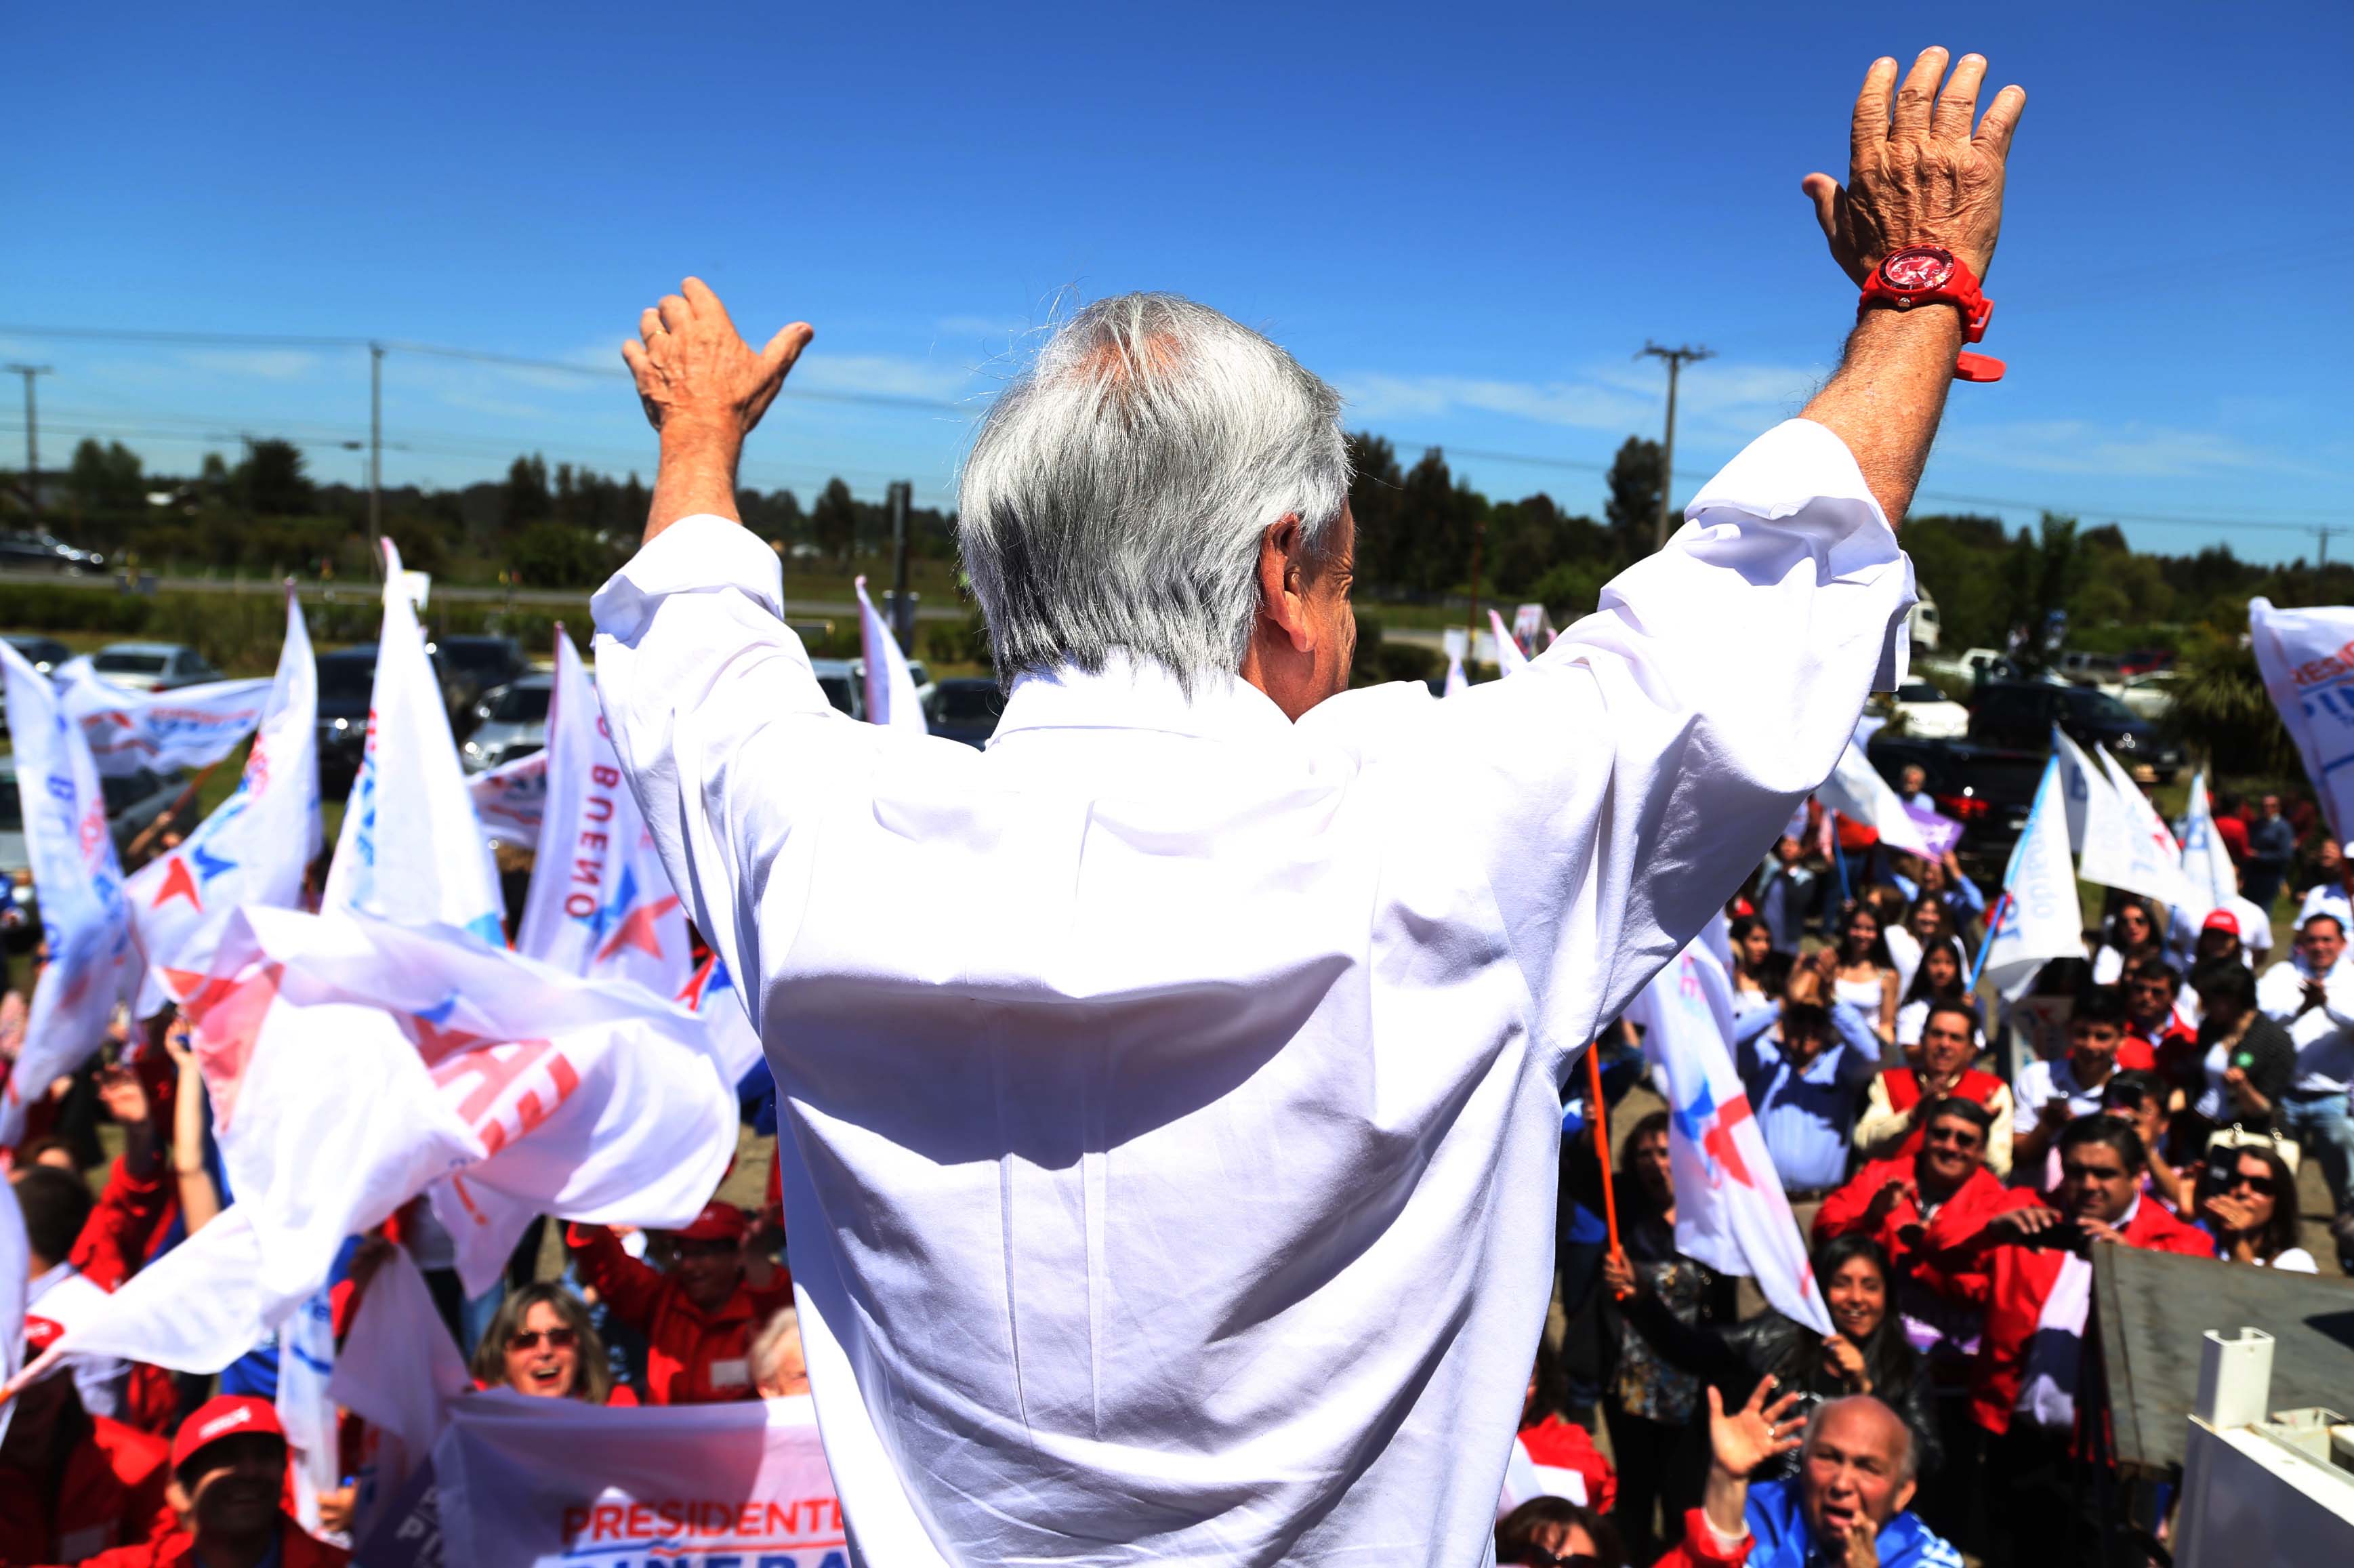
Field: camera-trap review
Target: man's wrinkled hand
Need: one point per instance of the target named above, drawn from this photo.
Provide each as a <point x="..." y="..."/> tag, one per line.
<point x="1920" y="172"/>
<point x="692" y="368"/>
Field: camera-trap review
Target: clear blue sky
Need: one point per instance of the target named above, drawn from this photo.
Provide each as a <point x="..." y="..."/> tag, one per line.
<point x="1468" y="218"/>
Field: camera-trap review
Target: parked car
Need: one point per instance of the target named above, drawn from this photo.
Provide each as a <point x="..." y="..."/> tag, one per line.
<point x="510" y="722"/>
<point x="2018" y="716"/>
<point x="843" y="681"/>
<point x="152" y="666"/>
<point x="346" y="686"/>
<point x="470" y="666"/>
<point x="966" y="708"/>
<point x="2149" y="695"/>
<point x="1987" y="789"/>
<point x="29" y="551"/>
<point x="1930" y="714"/>
<point x="43" y="653"/>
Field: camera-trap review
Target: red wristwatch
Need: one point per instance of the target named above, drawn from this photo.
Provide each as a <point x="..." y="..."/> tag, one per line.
<point x="1928" y="275"/>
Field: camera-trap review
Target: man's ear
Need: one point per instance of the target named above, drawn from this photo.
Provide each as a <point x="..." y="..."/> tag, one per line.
<point x="1904" y="1495"/>
<point x="1283" y="581"/>
<point x="176" y="1497"/>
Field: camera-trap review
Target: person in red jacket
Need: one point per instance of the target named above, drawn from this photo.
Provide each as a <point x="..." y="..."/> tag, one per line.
<point x="2040" y="1286"/>
<point x="72" y="1484"/>
<point x="228" y="1476"/>
<point x="1896" y="1109"/>
<point x="698" y="1320"/>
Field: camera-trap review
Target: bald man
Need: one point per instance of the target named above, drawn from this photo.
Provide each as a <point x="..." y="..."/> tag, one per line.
<point x="1857" y="1469"/>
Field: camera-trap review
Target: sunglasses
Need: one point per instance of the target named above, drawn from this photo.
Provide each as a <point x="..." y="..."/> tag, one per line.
<point x="529" y="1339"/>
<point x="1959" y="1138"/>
<point x="2262" y="1186"/>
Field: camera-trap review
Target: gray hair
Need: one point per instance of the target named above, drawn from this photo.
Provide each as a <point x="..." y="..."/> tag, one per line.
<point x="782" y="1332"/>
<point x="1908" y="1463"/>
<point x="1116" y="492"/>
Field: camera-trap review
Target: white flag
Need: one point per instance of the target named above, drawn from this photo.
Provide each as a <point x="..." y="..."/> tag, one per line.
<point x="351" y="1062"/>
<point x="2210" y="881"/>
<point x="1509" y="656"/>
<point x="1856" y="791"/>
<point x="15" y="1275"/>
<point x="257" y="844"/>
<point x="2037" y="918"/>
<point x="2308" y="659"/>
<point x="306" y="1361"/>
<point x="511" y="801"/>
<point x="891" y="696"/>
<point x="411" y="848"/>
<point x="1457" y="641"/>
<point x="2110" y="846"/>
<point x="84" y="917"/>
<point x="2157" y="859"/>
<point x="193" y="726"/>
<point x="600" y="903"/>
<point x="400" y="1372"/>
<point x="712" y="992"/>
<point x="548" y="1482"/>
<point x="1731" y="1211"/>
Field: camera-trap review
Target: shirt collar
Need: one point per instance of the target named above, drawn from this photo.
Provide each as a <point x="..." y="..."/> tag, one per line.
<point x="1128" y="693"/>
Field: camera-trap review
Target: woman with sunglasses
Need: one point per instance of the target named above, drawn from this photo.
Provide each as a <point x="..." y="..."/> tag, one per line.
<point x="542" y="1343"/>
<point x="1554" y="1533"/>
<point x="2135" y="933"/>
<point x="2247" y="1202"/>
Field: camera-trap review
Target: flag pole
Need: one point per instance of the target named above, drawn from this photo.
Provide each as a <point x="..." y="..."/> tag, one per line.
<point x="2001" y="908"/>
<point x="1600" y="1120"/>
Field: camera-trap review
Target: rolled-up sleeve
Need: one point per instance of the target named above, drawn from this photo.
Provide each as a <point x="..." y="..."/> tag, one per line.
<point x="1617" y="790"/>
<point x="727" y="741"/>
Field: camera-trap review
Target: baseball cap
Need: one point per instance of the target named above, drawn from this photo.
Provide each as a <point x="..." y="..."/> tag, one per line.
<point x="718" y="1222"/>
<point x="229" y="1415"/>
<point x="2221" y="920"/>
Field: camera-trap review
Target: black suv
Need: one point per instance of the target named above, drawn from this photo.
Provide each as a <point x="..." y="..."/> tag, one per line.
<point x="1987" y="789"/>
<point x="2019" y="714"/>
<point x="346" y="686"/>
<point x="470" y="666"/>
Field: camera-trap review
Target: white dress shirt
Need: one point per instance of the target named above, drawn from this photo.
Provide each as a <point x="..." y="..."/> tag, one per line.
<point x="1172" y="1093"/>
<point x="2324" y="1035"/>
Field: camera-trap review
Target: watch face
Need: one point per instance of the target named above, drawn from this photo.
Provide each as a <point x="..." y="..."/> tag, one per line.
<point x="1923" y="267"/>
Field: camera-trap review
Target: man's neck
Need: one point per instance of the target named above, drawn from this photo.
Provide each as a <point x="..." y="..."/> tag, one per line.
<point x="214" y="1551"/>
<point x="1933" y="1188"/>
<point x="2094" y="1075"/>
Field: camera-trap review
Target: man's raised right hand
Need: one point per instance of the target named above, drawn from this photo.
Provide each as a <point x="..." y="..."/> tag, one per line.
<point x="1923" y="174"/>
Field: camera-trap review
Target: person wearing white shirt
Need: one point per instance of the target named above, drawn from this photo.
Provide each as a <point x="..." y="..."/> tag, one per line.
<point x="1175" y="1086"/>
<point x="2312" y="993"/>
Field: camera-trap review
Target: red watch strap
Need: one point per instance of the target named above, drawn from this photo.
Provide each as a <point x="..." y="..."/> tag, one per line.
<point x="1977" y="367"/>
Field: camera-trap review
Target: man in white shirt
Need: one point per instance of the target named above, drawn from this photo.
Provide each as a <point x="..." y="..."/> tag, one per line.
<point x="1174" y="1087"/>
<point x="2312" y="993"/>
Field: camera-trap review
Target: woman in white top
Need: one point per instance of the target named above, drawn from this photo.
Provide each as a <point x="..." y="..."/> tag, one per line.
<point x="1939" y="981"/>
<point x="1861" y="973"/>
<point x="2248" y="1203"/>
<point x="1925" y="922"/>
<point x="2133" y="934"/>
<point x="1753" y="954"/>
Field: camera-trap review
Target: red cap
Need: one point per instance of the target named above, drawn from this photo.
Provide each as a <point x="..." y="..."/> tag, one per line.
<point x="2222" y="920"/>
<point x="229" y="1415"/>
<point x="718" y="1222"/>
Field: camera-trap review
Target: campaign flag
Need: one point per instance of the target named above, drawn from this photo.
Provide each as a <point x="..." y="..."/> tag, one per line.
<point x="411" y="848"/>
<point x="1458" y="642"/>
<point x="2037" y="919"/>
<point x="2157" y="859"/>
<point x="257" y="844"/>
<point x="2306" y="657"/>
<point x="1532" y="629"/>
<point x="1731" y="1211"/>
<point x="548" y="1481"/>
<point x="1509" y="656"/>
<point x="600" y="903"/>
<point x="1938" y="830"/>
<point x="511" y="801"/>
<point x="400" y="1372"/>
<point x="351" y="1062"/>
<point x="711" y="993"/>
<point x="1856" y="791"/>
<point x="2110" y="848"/>
<point x="2207" y="870"/>
<point x="306" y="1361"/>
<point x="15" y="1275"/>
<point x="85" y="920"/>
<point x="191" y="726"/>
<point x="891" y="696"/>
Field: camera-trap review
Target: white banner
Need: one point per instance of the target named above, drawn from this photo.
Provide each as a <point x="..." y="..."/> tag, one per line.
<point x="712" y="992"/>
<point x="2308" y="659"/>
<point x="2111" y="848"/>
<point x="2209" y="877"/>
<point x="540" y="1482"/>
<point x="2037" y="918"/>
<point x="1456" y="640"/>
<point x="891" y="696"/>
<point x="193" y="726"/>
<point x="1731" y="1211"/>
<point x="2157" y="859"/>
<point x="1509" y="656"/>
<point x="411" y="848"/>
<point x="511" y="801"/>
<point x="1856" y="791"/>
<point x="600" y="903"/>
<point x="306" y="1361"/>
<point x="255" y="845"/>
<point x="400" y="1372"/>
<point x="84" y="918"/>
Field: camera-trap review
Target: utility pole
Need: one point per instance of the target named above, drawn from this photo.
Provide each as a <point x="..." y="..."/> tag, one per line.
<point x="2323" y="533"/>
<point x="902" y="607"/>
<point x="1677" y="359"/>
<point x="375" y="454"/>
<point x="32" y="440"/>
